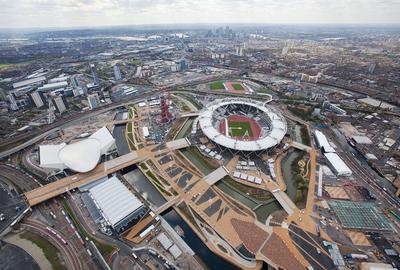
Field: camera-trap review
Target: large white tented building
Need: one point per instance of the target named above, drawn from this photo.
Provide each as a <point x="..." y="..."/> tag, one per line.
<point x="81" y="156"/>
<point x="338" y="165"/>
<point x="118" y="206"/>
<point x="322" y="142"/>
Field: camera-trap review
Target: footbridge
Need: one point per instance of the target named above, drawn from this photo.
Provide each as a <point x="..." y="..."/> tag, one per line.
<point x="284" y="201"/>
<point x="216" y="175"/>
<point x="191" y="114"/>
<point x="56" y="188"/>
<point x="168" y="204"/>
<point x="301" y="146"/>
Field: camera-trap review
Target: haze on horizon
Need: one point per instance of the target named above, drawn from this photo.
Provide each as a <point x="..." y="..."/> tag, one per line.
<point x="74" y="13"/>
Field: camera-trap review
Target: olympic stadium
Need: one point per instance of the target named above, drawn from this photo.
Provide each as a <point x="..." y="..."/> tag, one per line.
<point x="242" y="125"/>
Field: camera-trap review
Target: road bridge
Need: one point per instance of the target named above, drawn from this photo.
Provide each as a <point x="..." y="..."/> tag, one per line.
<point x="56" y="188"/>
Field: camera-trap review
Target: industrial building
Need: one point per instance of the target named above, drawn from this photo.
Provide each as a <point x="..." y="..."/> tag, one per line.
<point x="33" y="81"/>
<point x="337" y="165"/>
<point x="322" y="142"/>
<point x="53" y="86"/>
<point x="81" y="156"/>
<point x="117" y="205"/>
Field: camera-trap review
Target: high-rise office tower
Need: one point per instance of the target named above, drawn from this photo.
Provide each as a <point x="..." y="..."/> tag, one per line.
<point x="93" y="100"/>
<point x="117" y="73"/>
<point x="94" y="74"/>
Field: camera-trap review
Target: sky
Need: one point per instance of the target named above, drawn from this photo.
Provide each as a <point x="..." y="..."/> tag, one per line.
<point x="75" y="13"/>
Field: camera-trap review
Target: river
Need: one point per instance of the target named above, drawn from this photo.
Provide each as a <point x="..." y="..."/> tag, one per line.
<point x="210" y="259"/>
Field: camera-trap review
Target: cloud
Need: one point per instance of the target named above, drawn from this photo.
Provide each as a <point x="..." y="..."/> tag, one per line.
<point x="54" y="13"/>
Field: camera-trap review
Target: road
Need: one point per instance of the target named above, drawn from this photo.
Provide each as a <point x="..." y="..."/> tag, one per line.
<point x="67" y="250"/>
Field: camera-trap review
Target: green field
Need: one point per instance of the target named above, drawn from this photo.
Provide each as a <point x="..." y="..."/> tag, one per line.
<point x="239" y="129"/>
<point x="217" y="85"/>
<point x="49" y="250"/>
<point x="237" y="86"/>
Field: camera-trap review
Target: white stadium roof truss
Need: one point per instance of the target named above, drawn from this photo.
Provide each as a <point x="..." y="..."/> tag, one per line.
<point x="270" y="136"/>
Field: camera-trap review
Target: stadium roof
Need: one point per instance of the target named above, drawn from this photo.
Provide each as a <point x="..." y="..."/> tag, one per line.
<point x="114" y="200"/>
<point x="81" y="156"/>
<point x="278" y="126"/>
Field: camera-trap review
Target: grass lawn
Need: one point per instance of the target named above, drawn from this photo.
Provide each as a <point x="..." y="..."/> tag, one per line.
<point x="50" y="251"/>
<point x="217" y="85"/>
<point x="237" y="86"/>
<point x="239" y="129"/>
<point x="265" y="90"/>
<point x="197" y="158"/>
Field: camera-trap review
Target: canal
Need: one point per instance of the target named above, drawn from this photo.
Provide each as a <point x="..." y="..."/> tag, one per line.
<point x="119" y="134"/>
<point x="289" y="175"/>
<point x="120" y="139"/>
<point x="263" y="211"/>
<point x="211" y="260"/>
<point x="138" y="180"/>
<point x="186" y="129"/>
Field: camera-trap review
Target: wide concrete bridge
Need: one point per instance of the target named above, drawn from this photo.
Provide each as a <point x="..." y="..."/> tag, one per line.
<point x="56" y="188"/>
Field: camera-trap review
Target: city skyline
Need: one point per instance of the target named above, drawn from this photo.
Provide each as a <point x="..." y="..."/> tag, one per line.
<point x="89" y="13"/>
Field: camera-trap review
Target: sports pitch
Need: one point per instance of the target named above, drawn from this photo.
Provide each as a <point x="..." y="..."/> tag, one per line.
<point x="217" y="85"/>
<point x="240" y="129"/>
<point x="237" y="87"/>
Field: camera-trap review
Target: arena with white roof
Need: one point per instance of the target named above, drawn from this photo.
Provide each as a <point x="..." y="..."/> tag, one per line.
<point x="81" y="156"/>
<point x="271" y="121"/>
<point x="116" y="203"/>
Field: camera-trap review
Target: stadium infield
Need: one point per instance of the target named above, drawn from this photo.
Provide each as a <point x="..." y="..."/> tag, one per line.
<point x="235" y="87"/>
<point x="241" y="128"/>
<point x="219" y="85"/>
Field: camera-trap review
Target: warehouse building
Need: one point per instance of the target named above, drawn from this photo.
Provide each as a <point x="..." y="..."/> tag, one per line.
<point x="116" y="204"/>
<point x="337" y="165"/>
<point x="322" y="142"/>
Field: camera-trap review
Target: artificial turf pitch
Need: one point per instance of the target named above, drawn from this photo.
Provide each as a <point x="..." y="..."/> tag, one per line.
<point x="240" y="129"/>
<point x="217" y="86"/>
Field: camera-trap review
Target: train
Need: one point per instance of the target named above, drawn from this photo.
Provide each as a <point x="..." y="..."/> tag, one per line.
<point x="57" y="235"/>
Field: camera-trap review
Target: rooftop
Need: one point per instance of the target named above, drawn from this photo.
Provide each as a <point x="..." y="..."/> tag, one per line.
<point x="115" y="200"/>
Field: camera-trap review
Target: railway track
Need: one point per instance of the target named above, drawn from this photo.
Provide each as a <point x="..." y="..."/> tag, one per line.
<point x="18" y="178"/>
<point x="56" y="239"/>
<point x="369" y="179"/>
